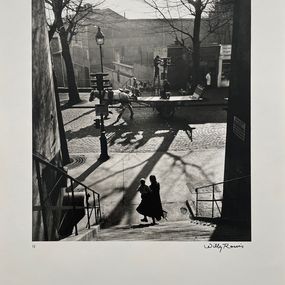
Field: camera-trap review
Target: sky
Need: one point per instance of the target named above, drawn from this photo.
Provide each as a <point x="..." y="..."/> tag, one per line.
<point x="133" y="9"/>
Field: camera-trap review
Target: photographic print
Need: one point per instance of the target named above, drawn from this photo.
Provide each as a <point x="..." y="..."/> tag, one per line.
<point x="141" y="120"/>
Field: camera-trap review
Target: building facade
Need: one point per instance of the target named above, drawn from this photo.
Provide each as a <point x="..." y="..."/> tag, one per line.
<point x="132" y="42"/>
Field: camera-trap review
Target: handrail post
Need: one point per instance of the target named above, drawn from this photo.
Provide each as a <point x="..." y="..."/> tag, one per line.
<point x="196" y="190"/>
<point x="94" y="205"/>
<point x="87" y="207"/>
<point x="99" y="207"/>
<point x="73" y="205"/>
<point x="213" y="200"/>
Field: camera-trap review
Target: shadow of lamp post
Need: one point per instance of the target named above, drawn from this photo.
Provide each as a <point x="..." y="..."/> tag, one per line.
<point x="100" y="86"/>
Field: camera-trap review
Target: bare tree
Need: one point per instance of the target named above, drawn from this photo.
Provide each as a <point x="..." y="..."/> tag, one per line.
<point x="202" y="12"/>
<point x="67" y="17"/>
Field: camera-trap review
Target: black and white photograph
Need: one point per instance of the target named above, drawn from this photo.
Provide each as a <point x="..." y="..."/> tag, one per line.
<point x="141" y="120"/>
<point x="142" y="142"/>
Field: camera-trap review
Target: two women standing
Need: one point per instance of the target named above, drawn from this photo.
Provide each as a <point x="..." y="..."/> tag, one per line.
<point x="150" y="205"/>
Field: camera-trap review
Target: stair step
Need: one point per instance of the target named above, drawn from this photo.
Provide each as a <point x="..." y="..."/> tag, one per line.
<point x="164" y="231"/>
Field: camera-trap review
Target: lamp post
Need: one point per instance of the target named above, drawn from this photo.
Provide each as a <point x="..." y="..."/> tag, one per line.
<point x="103" y="141"/>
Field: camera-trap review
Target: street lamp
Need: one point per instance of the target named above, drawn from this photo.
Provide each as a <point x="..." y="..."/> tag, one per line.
<point x="100" y="41"/>
<point x="100" y="83"/>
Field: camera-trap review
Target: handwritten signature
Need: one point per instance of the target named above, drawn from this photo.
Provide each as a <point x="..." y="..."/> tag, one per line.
<point x="223" y="246"/>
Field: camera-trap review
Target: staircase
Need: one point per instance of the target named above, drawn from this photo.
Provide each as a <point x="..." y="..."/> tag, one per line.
<point x="62" y="205"/>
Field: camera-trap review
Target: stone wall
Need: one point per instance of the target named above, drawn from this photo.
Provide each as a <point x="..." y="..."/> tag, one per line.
<point x="46" y="139"/>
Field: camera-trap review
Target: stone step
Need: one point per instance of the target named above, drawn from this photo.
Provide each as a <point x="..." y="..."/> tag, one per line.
<point x="164" y="231"/>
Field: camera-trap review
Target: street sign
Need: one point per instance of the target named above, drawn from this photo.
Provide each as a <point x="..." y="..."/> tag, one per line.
<point x="226" y="50"/>
<point x="101" y="109"/>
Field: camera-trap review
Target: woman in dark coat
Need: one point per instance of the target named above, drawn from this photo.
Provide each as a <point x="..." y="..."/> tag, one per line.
<point x="156" y="207"/>
<point x="144" y="207"/>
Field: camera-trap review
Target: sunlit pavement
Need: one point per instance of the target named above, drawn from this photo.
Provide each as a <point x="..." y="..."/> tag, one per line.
<point x="147" y="145"/>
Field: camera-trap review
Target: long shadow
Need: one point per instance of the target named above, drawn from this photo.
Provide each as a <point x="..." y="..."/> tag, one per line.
<point x="140" y="226"/>
<point x="88" y="171"/>
<point x="117" y="172"/>
<point x="148" y="127"/>
<point x="121" y="209"/>
<point x="84" y="114"/>
<point x="82" y="133"/>
<point x="137" y="133"/>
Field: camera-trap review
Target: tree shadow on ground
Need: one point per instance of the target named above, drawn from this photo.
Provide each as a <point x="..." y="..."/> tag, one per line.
<point x="83" y="133"/>
<point x="123" y="208"/>
<point x="78" y="117"/>
<point x="120" y="210"/>
<point x="147" y="125"/>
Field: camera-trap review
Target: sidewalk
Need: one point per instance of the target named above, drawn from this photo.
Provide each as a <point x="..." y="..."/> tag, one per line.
<point x="118" y="178"/>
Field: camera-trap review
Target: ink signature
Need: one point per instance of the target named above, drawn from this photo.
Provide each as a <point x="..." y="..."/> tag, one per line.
<point x="223" y="246"/>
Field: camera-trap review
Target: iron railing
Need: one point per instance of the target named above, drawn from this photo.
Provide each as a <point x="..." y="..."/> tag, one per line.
<point x="77" y="200"/>
<point x="212" y="197"/>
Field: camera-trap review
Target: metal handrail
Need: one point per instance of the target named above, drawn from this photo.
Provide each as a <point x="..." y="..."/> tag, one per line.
<point x="214" y="200"/>
<point x="223" y="182"/>
<point x="62" y="172"/>
<point x="73" y="184"/>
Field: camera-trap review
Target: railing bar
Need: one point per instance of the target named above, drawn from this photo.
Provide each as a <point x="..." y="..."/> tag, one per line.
<point x="55" y="208"/>
<point x="213" y="197"/>
<point x="62" y="220"/>
<point x="87" y="204"/>
<point x="218" y="207"/>
<point x="94" y="204"/>
<point x="197" y="200"/>
<point x="99" y="207"/>
<point x="72" y="192"/>
<point x="209" y="200"/>
<point x="223" y="182"/>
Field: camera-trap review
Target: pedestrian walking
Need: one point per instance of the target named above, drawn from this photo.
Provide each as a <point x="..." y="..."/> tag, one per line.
<point x="135" y="87"/>
<point x="156" y="207"/>
<point x="156" y="63"/>
<point x="208" y="80"/>
<point x="144" y="207"/>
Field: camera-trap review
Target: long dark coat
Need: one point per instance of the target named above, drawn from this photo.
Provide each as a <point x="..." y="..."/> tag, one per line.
<point x="156" y="207"/>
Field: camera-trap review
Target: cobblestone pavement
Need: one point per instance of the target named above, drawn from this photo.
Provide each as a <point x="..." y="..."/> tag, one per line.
<point x="147" y="132"/>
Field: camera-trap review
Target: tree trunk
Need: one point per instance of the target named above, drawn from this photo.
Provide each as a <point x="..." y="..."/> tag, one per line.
<point x="72" y="87"/>
<point x="63" y="143"/>
<point x="196" y="49"/>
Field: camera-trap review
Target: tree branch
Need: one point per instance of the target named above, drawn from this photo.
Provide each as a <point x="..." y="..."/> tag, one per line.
<point x="189" y="8"/>
<point x="168" y="21"/>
